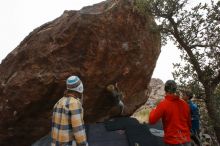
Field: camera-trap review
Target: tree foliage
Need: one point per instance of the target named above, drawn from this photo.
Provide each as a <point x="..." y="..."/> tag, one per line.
<point x="200" y="32"/>
<point x="196" y="32"/>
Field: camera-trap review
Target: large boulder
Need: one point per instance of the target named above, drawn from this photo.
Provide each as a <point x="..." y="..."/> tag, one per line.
<point x="103" y="44"/>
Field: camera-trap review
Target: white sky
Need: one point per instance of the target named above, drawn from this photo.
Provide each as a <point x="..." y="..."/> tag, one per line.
<point x="19" y="17"/>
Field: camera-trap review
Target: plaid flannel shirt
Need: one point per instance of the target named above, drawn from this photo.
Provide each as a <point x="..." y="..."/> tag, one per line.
<point x="67" y="123"/>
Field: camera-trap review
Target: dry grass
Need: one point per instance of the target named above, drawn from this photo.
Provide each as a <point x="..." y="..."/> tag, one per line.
<point x="142" y="114"/>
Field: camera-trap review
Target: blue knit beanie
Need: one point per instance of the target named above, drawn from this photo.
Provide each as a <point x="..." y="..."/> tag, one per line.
<point x="75" y="84"/>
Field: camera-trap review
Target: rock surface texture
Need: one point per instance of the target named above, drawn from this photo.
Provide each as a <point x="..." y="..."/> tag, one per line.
<point x="103" y="44"/>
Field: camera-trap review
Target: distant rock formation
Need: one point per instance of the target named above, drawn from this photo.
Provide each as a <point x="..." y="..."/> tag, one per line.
<point x="157" y="92"/>
<point x="104" y="44"/>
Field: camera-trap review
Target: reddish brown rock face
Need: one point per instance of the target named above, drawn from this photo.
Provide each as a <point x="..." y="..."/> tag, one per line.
<point x="103" y="44"/>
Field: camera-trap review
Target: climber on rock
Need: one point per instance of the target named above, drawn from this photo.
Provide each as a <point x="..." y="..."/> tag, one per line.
<point x="117" y="96"/>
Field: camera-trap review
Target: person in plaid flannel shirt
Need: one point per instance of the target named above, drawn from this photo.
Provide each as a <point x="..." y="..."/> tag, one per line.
<point x="67" y="121"/>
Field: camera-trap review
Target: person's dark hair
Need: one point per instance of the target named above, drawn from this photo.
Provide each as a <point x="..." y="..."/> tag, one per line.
<point x="170" y="86"/>
<point x="69" y="92"/>
<point x="189" y="94"/>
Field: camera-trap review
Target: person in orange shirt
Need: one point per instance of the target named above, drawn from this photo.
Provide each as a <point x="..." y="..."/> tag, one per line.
<point x="175" y="115"/>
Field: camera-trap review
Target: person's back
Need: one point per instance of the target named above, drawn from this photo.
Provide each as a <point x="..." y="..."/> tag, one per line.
<point x="63" y="125"/>
<point x="175" y="114"/>
<point x="67" y="121"/>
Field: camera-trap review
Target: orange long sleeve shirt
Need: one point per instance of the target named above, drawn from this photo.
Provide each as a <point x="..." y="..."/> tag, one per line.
<point x="175" y="115"/>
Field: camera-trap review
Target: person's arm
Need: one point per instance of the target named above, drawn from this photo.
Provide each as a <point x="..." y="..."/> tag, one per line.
<point x="156" y="114"/>
<point x="78" y="124"/>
